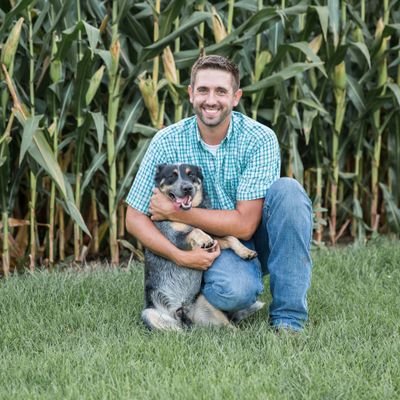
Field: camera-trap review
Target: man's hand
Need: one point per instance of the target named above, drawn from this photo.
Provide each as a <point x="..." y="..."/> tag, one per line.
<point x="198" y="258"/>
<point x="140" y="226"/>
<point x="161" y="207"/>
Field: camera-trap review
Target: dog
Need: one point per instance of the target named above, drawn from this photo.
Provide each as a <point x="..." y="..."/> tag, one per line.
<point x="172" y="293"/>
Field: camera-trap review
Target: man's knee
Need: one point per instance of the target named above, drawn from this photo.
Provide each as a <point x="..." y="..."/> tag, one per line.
<point x="289" y="194"/>
<point x="234" y="295"/>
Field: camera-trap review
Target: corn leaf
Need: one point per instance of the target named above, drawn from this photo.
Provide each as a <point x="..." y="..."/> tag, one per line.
<point x="145" y="130"/>
<point x="356" y="95"/>
<point x="363" y="50"/>
<point x="393" y="212"/>
<point x="97" y="163"/>
<point x="76" y="216"/>
<point x="396" y="92"/>
<point x="308" y="118"/>
<point x="82" y="84"/>
<point x="169" y="15"/>
<point x="298" y="168"/>
<point x="195" y="19"/>
<point x="334" y="20"/>
<point x="99" y="122"/>
<point x="132" y="117"/>
<point x="278" y="77"/>
<point x="93" y="35"/>
<point x="306" y="50"/>
<point x="133" y="165"/>
<point x="31" y="125"/>
<point x="43" y="155"/>
<point x="323" y="14"/>
<point x="10" y="16"/>
<point x="68" y="37"/>
<point x="107" y="58"/>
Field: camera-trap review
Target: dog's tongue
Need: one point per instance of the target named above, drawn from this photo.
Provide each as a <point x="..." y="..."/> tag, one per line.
<point x="184" y="202"/>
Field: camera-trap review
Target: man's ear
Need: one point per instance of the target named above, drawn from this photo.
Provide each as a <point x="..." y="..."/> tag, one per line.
<point x="190" y="91"/>
<point x="237" y="96"/>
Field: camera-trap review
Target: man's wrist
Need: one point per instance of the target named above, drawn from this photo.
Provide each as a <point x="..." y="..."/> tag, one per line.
<point x="177" y="215"/>
<point x="179" y="257"/>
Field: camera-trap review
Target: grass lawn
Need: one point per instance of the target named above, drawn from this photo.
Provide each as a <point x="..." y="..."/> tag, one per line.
<point x="77" y="335"/>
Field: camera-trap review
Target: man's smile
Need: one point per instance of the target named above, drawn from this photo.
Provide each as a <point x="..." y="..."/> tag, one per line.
<point x="210" y="111"/>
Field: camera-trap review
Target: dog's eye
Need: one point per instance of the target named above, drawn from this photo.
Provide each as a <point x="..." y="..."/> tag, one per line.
<point x="192" y="176"/>
<point x="171" y="178"/>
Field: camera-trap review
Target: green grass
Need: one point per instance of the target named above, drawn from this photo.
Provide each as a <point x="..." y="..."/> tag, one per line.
<point x="77" y="335"/>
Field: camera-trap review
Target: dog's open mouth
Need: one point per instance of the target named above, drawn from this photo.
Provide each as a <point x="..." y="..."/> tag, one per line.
<point x="184" y="202"/>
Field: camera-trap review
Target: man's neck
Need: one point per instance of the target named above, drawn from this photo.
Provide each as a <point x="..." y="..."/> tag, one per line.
<point x="213" y="135"/>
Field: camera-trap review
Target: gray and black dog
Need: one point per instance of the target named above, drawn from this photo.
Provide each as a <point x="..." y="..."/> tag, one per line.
<point x="172" y="293"/>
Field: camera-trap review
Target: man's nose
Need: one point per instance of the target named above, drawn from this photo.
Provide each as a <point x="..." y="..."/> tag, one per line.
<point x="211" y="98"/>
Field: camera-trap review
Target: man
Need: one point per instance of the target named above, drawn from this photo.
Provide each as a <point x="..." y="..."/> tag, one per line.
<point x="240" y="160"/>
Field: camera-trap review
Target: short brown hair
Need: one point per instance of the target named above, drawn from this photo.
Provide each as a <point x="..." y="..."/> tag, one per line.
<point x="219" y="63"/>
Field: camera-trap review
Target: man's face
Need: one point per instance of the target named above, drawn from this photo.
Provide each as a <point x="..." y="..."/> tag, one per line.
<point x="213" y="96"/>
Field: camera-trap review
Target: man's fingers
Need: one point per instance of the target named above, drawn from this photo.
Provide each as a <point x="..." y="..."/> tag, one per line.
<point x="213" y="247"/>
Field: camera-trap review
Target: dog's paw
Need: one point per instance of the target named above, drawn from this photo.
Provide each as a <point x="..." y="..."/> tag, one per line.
<point x="251" y="255"/>
<point x="198" y="238"/>
<point x="247" y="254"/>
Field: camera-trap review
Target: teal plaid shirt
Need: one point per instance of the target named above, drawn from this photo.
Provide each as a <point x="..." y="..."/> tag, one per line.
<point x="246" y="164"/>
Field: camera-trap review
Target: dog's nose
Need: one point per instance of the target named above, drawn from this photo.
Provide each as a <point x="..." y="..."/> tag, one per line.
<point x="187" y="189"/>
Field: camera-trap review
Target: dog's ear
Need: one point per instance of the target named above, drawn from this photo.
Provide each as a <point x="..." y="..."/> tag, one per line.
<point x="159" y="169"/>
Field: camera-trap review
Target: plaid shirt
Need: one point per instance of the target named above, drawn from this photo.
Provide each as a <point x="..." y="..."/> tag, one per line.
<point x="247" y="162"/>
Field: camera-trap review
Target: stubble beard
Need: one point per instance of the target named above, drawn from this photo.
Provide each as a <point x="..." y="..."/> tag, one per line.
<point x="211" y="122"/>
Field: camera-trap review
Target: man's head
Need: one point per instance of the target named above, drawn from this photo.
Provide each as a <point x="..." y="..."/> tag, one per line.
<point x="214" y="91"/>
<point x="217" y="63"/>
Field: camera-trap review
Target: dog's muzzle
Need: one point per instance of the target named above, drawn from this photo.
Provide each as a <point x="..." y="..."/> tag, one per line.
<point x="185" y="201"/>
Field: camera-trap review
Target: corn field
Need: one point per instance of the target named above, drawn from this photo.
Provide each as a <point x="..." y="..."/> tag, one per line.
<point x="84" y="85"/>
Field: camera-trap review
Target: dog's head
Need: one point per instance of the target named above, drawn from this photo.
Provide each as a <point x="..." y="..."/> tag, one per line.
<point x="182" y="183"/>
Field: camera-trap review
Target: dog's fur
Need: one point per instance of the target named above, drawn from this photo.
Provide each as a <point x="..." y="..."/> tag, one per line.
<point x="172" y="299"/>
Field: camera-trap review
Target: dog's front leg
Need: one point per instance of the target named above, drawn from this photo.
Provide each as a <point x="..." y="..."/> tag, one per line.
<point x="198" y="238"/>
<point x="230" y="242"/>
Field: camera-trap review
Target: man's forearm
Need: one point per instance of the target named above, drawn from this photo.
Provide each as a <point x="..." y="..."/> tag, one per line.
<point x="241" y="222"/>
<point x="216" y="222"/>
<point x="140" y="226"/>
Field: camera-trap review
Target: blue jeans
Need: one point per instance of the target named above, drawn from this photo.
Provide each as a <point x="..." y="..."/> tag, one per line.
<point x="282" y="241"/>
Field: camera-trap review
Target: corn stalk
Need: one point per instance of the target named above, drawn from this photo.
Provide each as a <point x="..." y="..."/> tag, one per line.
<point x="56" y="76"/>
<point x="4" y="173"/>
<point x="231" y="5"/>
<point x="339" y="90"/>
<point x="113" y="106"/>
<point x="382" y="79"/>
<point x="200" y="7"/>
<point x="33" y="180"/>
<point x="7" y="61"/>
